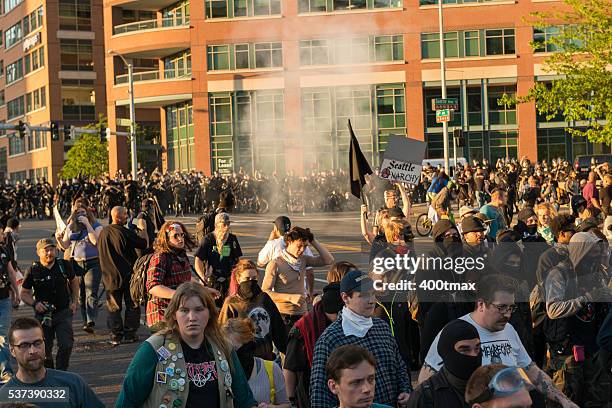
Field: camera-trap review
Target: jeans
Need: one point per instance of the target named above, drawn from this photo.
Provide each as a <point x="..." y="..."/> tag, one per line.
<point x="60" y="328"/>
<point x="5" y="356"/>
<point x="118" y="326"/>
<point x="90" y="287"/>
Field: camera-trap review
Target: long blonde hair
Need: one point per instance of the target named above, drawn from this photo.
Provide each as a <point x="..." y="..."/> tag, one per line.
<point x="212" y="331"/>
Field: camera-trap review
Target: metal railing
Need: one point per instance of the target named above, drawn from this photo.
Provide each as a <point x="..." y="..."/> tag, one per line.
<point x="151" y="24"/>
<point x="153" y="76"/>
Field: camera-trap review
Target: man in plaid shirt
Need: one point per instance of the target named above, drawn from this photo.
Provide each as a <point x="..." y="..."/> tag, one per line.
<point x="355" y="325"/>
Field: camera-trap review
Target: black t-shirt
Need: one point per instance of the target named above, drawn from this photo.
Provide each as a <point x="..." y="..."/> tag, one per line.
<point x="222" y="263"/>
<point x="605" y="195"/>
<point x="50" y="285"/>
<point x="201" y="369"/>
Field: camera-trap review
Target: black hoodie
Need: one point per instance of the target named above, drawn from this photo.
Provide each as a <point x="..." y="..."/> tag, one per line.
<point x="269" y="324"/>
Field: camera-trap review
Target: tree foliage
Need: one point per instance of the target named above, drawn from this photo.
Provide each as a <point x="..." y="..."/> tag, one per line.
<point x="582" y="57"/>
<point x="89" y="155"/>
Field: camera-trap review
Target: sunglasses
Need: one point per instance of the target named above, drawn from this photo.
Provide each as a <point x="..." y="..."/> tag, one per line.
<point x="177" y="235"/>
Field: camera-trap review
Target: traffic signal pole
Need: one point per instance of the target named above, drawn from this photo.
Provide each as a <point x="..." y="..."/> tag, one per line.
<point x="443" y="85"/>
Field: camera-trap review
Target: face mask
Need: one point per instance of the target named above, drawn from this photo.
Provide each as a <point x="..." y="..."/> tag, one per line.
<point x="459" y="365"/>
<point x="248" y="289"/>
<point x="452" y="245"/>
<point x="246" y="355"/>
<point x="532" y="229"/>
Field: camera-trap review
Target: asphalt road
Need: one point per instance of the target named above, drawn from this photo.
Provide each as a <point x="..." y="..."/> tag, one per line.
<point x="103" y="366"/>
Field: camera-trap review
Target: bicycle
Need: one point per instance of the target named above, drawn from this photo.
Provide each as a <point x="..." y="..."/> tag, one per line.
<point x="423" y="225"/>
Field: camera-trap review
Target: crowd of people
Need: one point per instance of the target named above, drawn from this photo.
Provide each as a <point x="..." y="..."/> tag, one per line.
<point x="180" y="193"/>
<point x="492" y="311"/>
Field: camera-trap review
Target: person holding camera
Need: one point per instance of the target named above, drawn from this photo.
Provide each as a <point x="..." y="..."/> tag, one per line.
<point x="51" y="288"/>
<point x="80" y="238"/>
<point x="217" y="256"/>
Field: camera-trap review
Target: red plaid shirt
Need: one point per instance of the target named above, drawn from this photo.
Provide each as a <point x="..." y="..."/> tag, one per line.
<point x="169" y="270"/>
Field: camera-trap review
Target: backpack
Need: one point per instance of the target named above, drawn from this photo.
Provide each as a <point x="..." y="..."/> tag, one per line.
<point x="537" y="305"/>
<point x="206" y="224"/>
<point x="269" y="366"/>
<point x="138" y="281"/>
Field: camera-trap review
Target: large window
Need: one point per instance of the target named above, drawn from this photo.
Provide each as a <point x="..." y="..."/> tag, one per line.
<point x="542" y="37"/>
<point x="391" y="112"/>
<point x="315" y="52"/>
<point x="37" y="139"/>
<point x="11" y="4"/>
<point x="76" y="55"/>
<point x="349" y="4"/>
<point x="500" y="42"/>
<point x="430" y="45"/>
<point x="36" y="99"/>
<point x="14" y="71"/>
<point x="503" y="145"/>
<point x="268" y="55"/>
<point x="501" y="115"/>
<point x="244" y="56"/>
<point x="75" y="15"/>
<point x="242" y="8"/>
<point x="78" y="102"/>
<point x="32" y="21"/>
<point x="352" y="50"/>
<point x="16" y="146"/>
<point x="218" y="57"/>
<point x="178" y="65"/>
<point x="34" y="60"/>
<point x="180" y="136"/>
<point x="551" y="144"/>
<point x="430" y="115"/>
<point x="389" y="47"/>
<point x="469" y="43"/>
<point x="176" y="15"/>
<point x="316" y="110"/>
<point x="312" y="6"/>
<point x="474" y="105"/>
<point x="13" y="35"/>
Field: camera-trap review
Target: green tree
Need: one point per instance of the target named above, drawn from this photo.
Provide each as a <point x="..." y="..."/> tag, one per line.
<point x="582" y="45"/>
<point x="89" y="155"/>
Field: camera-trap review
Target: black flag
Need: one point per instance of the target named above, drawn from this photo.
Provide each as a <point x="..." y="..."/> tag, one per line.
<point x="358" y="164"/>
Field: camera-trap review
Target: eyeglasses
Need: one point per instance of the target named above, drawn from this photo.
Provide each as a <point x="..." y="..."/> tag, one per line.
<point x="505" y="308"/>
<point x="176" y="236"/>
<point x="506" y="382"/>
<point x="25" y="346"/>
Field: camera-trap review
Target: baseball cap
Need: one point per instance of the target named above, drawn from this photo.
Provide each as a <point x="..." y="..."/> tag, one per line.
<point x="283" y="223"/>
<point x="44" y="243"/>
<point x="222" y="218"/>
<point x="472" y="224"/>
<point x="356" y="281"/>
<point x="465" y="210"/>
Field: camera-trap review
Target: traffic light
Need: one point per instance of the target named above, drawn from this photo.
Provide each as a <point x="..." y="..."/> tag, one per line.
<point x="458" y="135"/>
<point x="54" y="131"/>
<point x="103" y="134"/>
<point x="23" y="129"/>
<point x="67" y="132"/>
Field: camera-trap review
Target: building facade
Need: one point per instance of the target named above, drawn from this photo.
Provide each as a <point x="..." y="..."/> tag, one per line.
<point x="52" y="67"/>
<point x="270" y="84"/>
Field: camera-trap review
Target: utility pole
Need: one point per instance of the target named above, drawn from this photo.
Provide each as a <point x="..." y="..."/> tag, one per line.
<point x="443" y="85"/>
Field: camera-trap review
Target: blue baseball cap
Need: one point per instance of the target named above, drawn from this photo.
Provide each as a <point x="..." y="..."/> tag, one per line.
<point x="356" y="281"/>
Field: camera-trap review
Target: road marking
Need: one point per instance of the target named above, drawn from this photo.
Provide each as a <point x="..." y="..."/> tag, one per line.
<point x="344" y="247"/>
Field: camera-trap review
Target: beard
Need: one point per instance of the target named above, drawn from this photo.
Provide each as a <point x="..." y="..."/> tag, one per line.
<point x="33" y="363"/>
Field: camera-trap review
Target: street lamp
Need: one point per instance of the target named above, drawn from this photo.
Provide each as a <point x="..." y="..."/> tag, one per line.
<point x="132" y="113"/>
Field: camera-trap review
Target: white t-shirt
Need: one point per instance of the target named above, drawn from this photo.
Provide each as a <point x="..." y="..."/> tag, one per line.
<point x="273" y="249"/>
<point x="502" y="347"/>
